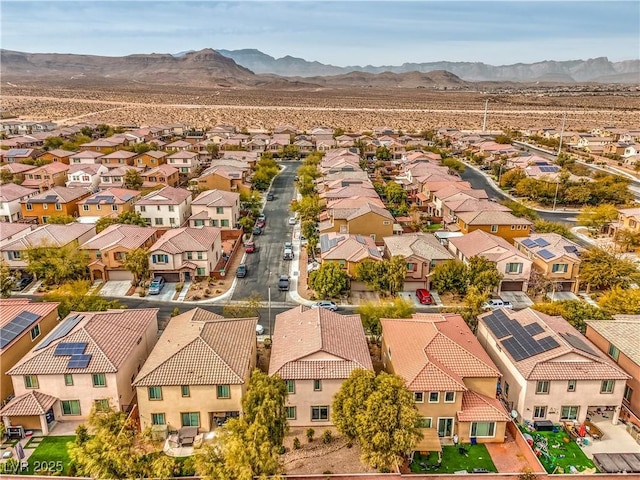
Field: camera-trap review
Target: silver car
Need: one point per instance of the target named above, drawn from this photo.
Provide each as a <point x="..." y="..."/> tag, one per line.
<point x="325" y="304"/>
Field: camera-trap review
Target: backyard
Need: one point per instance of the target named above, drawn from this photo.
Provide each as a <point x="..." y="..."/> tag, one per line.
<point x="455" y="459"/>
<point x="558" y="452"/>
<point x="50" y="456"/>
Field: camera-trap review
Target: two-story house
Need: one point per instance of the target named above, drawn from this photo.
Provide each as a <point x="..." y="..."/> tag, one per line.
<point x="348" y="251"/>
<point x="85" y="176"/>
<point x="17" y="170"/>
<point x="511" y="263"/>
<point x="314" y="351"/>
<point x="186" y="162"/>
<point x="114" y="177"/>
<point x="628" y="222"/>
<point x="555" y="257"/>
<point x="107" y="250"/>
<point x="108" y="203"/>
<point x="222" y="177"/>
<point x="46" y="177"/>
<point x="161" y="175"/>
<point x="208" y="388"/>
<point x="16" y="155"/>
<point x="422" y="253"/>
<point x="85" y="362"/>
<point x="57" y="156"/>
<point x="367" y="219"/>
<point x="215" y="208"/>
<point x="10" y="197"/>
<point x="85" y="157"/>
<point x="550" y="371"/>
<point x="182" y="254"/>
<point x="502" y="224"/>
<point x="151" y="159"/>
<point x="56" y="201"/>
<point x="119" y="158"/>
<point x="167" y="207"/>
<point x="452" y="378"/>
<point x="12" y="231"/>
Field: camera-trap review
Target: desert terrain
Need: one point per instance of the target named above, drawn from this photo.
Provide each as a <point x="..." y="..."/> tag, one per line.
<point x="350" y="108"/>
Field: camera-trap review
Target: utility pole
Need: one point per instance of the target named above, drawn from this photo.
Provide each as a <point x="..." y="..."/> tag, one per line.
<point x="564" y="117"/>
<point x="484" y="120"/>
<point x="269" y="298"/>
<point x="555" y="197"/>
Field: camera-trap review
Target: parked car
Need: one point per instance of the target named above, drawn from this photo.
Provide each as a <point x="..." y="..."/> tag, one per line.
<point x="261" y="223"/>
<point x="250" y="247"/>
<point x="496" y="303"/>
<point x="156" y="286"/>
<point x="288" y="245"/>
<point x="424" y="297"/>
<point x="329" y="305"/>
<point x="283" y="283"/>
<point x="259" y="329"/>
<point x="288" y="254"/>
<point x="257" y="230"/>
<point x="21" y="283"/>
<point x="241" y="272"/>
<point x="293" y="220"/>
<point x="262" y="217"/>
<point x="270" y="196"/>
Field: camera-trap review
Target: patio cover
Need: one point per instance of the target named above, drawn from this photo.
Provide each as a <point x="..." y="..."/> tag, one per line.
<point x="32" y="403"/>
<point x="430" y="441"/>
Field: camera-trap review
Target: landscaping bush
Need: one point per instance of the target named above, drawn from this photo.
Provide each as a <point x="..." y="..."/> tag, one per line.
<point x="175" y="312"/>
<point x="296" y="443"/>
<point x="196" y="297"/>
<point x="179" y="287"/>
<point x="327" y="437"/>
<point x="267" y="343"/>
<point x="310" y="433"/>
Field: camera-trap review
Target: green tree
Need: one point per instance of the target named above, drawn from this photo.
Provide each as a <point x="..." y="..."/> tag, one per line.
<point x="306" y="186"/>
<point x="125" y="218"/>
<point x="395" y="193"/>
<point x="247" y="308"/>
<point x="573" y="311"/>
<point x="307" y="207"/>
<point x="246" y="223"/>
<point x="545" y="226"/>
<point x="371" y="313"/>
<point x="137" y="262"/>
<point x="620" y="301"/>
<point x="51" y="143"/>
<point x="627" y="239"/>
<point x="349" y="401"/>
<point x="483" y="274"/>
<point x="396" y="270"/>
<point x="252" y="201"/>
<point x="329" y="280"/>
<point x="503" y="139"/>
<point x="603" y="270"/>
<point x="454" y="165"/>
<point x="383" y="153"/>
<point x="512" y="177"/>
<point x="373" y="274"/>
<point x="309" y="171"/>
<point x="61" y="219"/>
<point x="5" y="176"/>
<point x="55" y="265"/>
<point x="133" y="180"/>
<point x="289" y="152"/>
<point x="450" y="277"/>
<point x="73" y="298"/>
<point x="520" y="210"/>
<point x="6" y="281"/>
<point x="595" y="218"/>
<point x="473" y="301"/>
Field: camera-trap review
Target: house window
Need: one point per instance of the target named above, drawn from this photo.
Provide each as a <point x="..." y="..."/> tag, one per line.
<point x="158" y="419"/>
<point x="201" y="272"/>
<point x="424" y="422"/>
<point x="200" y="255"/>
<point x="172" y="220"/>
<point x="171" y="208"/>
<point x="114" y="208"/>
<point x="214" y="223"/>
<point x="143" y="208"/>
<point x="185" y="391"/>
<point x="159" y="258"/>
<point x="434" y="397"/>
<point x="99" y="380"/>
<point x="29" y="206"/>
<point x="45" y="206"/>
<point x="158" y="208"/>
<point x="342" y="263"/>
<point x="320" y="413"/>
<point x="119" y="256"/>
<point x="224" y="223"/>
<point x="560" y="268"/>
<point x="628" y="392"/>
<point x="189" y="255"/>
<point x="35" y="332"/>
<point x="223" y="391"/>
<point x="190" y="419"/>
<point x="219" y="210"/>
<point x="607" y="386"/>
<point x="513" y="268"/>
<point x="58" y="206"/>
<point x="85" y="208"/>
<point x="614" y="352"/>
<point x="449" y="397"/>
<point x="386" y="222"/>
<point x="71" y="407"/>
<point x="31" y="381"/>
<point x="411" y="267"/>
<point x="155" y="393"/>
<point x="290" y="412"/>
<point x="291" y="386"/>
<point x="68" y="380"/>
<point x="418" y="397"/>
<point x="102" y="405"/>
<point x="571" y="386"/>
<point x="199" y="223"/>
<point x="99" y="207"/>
<point x="569" y="413"/>
<point x="158" y="221"/>
<point x="483" y="429"/>
<point x="542" y="387"/>
<point x="494" y="228"/>
<point x="539" y="412"/>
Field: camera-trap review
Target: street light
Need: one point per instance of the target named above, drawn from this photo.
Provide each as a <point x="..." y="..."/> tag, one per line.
<point x="555" y="197"/>
<point x="269" y="299"/>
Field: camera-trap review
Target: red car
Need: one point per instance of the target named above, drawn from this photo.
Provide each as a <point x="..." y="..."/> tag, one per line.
<point x="261" y="223"/>
<point x="424" y="297"/>
<point x="250" y="247"/>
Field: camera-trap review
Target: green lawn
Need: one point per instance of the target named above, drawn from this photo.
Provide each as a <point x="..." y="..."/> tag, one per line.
<point x="561" y="453"/>
<point x="50" y="456"/>
<point x="477" y="456"/>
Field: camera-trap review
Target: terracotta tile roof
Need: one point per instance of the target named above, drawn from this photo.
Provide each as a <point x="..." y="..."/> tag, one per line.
<point x="463" y="190"/>
<point x="8" y="230"/>
<point x="479" y="408"/>
<point x="558" y="246"/>
<point x="186" y="239"/>
<point x="630" y="212"/>
<point x="421" y="245"/>
<point x="492" y="247"/>
<point x="52" y="168"/>
<point x="87" y="154"/>
<point x="57" y="152"/>
<point x="225" y="171"/>
<point x="51" y="235"/>
<point x="492" y="218"/>
<point x="164" y="169"/>
<point x="156" y="154"/>
<point x="121" y="171"/>
<point x="121" y="154"/>
<point x="18" y="167"/>
<point x="125" y="236"/>
<point x="10" y="192"/>
<point x="351" y="248"/>
<point x="217" y="198"/>
<point x="165" y="196"/>
<point x="199" y="347"/>
<point x="61" y="194"/>
<point x="29" y="404"/>
<point x="623" y="331"/>
<point x="119" y="195"/>
<point x="350" y="191"/>
<point x="474" y="205"/>
<point x="354" y="202"/>
<point x="90" y="168"/>
<point x="110" y="336"/>
<point x="318" y="344"/>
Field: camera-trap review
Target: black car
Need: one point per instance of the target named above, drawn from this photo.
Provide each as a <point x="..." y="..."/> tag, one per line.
<point x="241" y="272"/>
<point x="22" y="283"/>
<point x="270" y="196"/>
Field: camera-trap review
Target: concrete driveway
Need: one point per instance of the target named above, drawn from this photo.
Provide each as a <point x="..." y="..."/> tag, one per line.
<point x="115" y="288"/>
<point x="560" y="296"/>
<point x="519" y="300"/>
<point x="166" y="294"/>
<point x="411" y="296"/>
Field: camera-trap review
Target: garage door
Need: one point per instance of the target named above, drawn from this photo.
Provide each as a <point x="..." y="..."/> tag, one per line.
<point x="169" y="277"/>
<point x="511" y="286"/>
<point x="120" y="275"/>
<point x="413" y="286"/>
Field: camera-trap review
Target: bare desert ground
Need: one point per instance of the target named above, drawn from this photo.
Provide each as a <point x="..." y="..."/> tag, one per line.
<point x="352" y="109"/>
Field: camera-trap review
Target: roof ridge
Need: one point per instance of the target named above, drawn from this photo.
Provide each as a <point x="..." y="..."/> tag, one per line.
<point x="216" y="354"/>
<point x="83" y="329"/>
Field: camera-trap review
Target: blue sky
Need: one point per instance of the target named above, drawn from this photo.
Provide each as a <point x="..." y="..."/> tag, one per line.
<point x="340" y="33"/>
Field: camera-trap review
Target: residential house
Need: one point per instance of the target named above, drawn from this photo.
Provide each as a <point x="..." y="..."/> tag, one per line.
<point x="107" y="250"/>
<point x="555" y="257"/>
<point x="85" y="362"/>
<point x="619" y="339"/>
<point x="452" y="379"/>
<point x="57" y="201"/>
<point x="454" y="207"/>
<point x="179" y="146"/>
<point x="502" y="224"/>
<point x="550" y="371"/>
<point x="161" y="175"/>
<point x="183" y="254"/>
<point x="18" y="170"/>
<point x="57" y="156"/>
<point x="114" y="177"/>
<point x="85" y="176"/>
<point x="105" y="145"/>
<point x="10" y="197"/>
<point x="13" y="231"/>
<point x="348" y="251"/>
<point x="151" y="159"/>
<point x="215" y="208"/>
<point x="168" y="206"/>
<point x="511" y="263"/>
<point x="349" y="192"/>
<point x="86" y="157"/>
<point x="47" y="176"/>
<point x="367" y="219"/>
<point x="628" y="221"/>
<point x="422" y="253"/>
<point x="205" y="390"/>
<point x="186" y="162"/>
<point x="23" y="323"/>
<point x="314" y="351"/>
<point x="222" y="177"/>
<point x="53" y="236"/>
<point x="108" y="203"/>
<point x="119" y="158"/>
<point x="18" y="155"/>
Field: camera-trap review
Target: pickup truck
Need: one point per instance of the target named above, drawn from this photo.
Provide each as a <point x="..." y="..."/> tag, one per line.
<point x="283" y="283"/>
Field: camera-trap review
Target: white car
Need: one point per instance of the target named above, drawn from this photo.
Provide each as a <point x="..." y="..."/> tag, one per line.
<point x="495" y="304"/>
<point x="293" y="220"/>
<point x="259" y="329"/>
<point x="325" y="304"/>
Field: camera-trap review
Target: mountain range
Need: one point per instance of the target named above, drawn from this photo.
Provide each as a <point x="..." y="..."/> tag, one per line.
<point x="592" y="70"/>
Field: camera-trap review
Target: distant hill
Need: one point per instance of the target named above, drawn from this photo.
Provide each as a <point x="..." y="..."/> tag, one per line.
<point x="592" y="70"/>
<point x="438" y="79"/>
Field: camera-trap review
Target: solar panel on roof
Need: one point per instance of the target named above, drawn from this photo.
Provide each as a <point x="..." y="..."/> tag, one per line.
<point x="527" y="242"/>
<point x="65" y="348"/>
<point x="79" y="361"/>
<point x="541" y="242"/>
<point x="92" y="201"/>
<point x="577" y="342"/>
<point x="514" y="349"/>
<point x="16" y="327"/>
<point x="546" y="254"/>
<point x="60" y="331"/>
<point x="533" y="329"/>
<point x="497" y="326"/>
<point x="571" y="249"/>
<point x="548" y="343"/>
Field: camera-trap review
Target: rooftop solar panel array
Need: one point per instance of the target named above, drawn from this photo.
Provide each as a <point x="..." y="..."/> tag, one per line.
<point x="577" y="342"/>
<point x="527" y="242"/>
<point x="79" y="361"/>
<point x="60" y="331"/>
<point x="541" y="242"/>
<point x="16" y="327"/>
<point x="546" y="254"/>
<point x="64" y="348"/>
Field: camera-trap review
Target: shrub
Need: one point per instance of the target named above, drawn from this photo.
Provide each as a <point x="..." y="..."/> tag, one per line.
<point x="179" y="287"/>
<point x="310" y="433"/>
<point x="207" y="291"/>
<point x="282" y="450"/>
<point x="142" y="293"/>
<point x="327" y="437"/>
<point x="296" y="443"/>
<point x="196" y="297"/>
<point x="267" y="343"/>
<point x="175" y="312"/>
